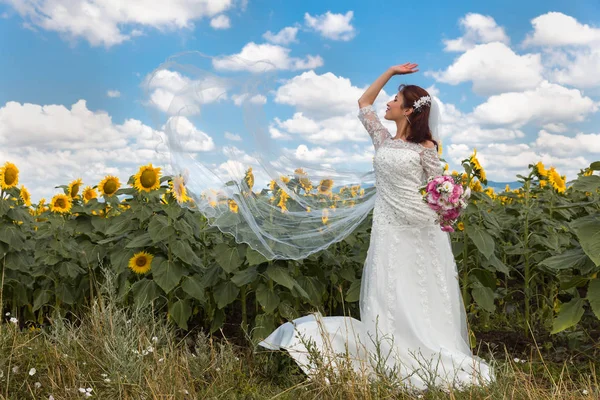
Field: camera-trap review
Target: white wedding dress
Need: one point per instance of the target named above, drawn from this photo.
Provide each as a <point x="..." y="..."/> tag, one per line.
<point x="409" y="287"/>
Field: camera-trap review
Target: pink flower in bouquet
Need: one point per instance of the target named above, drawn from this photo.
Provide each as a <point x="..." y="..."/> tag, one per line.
<point x="452" y="214"/>
<point x="447" y="228"/>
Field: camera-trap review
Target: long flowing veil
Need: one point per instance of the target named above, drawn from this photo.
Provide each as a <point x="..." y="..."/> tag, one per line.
<point x="228" y="155"/>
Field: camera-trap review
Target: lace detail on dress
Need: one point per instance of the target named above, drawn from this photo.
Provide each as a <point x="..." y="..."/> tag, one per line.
<point x="441" y="279"/>
<point x="373" y="125"/>
<point x="421" y="271"/>
<point x="431" y="162"/>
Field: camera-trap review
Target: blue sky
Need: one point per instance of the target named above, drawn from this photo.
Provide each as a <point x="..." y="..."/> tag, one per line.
<point x="49" y="60"/>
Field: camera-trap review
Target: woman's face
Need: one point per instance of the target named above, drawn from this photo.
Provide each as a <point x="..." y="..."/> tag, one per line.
<point x="395" y="110"/>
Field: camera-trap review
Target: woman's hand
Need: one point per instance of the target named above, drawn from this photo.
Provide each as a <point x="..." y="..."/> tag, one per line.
<point x="407" y="68"/>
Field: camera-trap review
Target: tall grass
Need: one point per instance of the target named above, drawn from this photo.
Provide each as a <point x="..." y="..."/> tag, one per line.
<point x="112" y="352"/>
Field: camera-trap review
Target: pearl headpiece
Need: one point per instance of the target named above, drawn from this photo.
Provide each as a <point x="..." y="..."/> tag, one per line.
<point x="422" y="101"/>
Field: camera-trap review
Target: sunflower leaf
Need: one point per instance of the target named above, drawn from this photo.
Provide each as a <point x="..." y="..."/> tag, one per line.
<point x="227" y="257"/>
<point x="194" y="286"/>
<point x="142" y="240"/>
<point x="12" y="236"/>
<point x="184" y="252"/>
<point x="144" y="292"/>
<point x="570" y="313"/>
<point x="225" y="293"/>
<point x="167" y="274"/>
<point x="181" y="311"/>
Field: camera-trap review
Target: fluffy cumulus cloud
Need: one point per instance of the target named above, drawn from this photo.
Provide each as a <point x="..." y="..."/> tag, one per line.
<point x="265" y="57"/>
<point x="478" y="29"/>
<point x="108" y="23"/>
<point x="332" y="26"/>
<point x="493" y="68"/>
<point x="547" y="103"/>
<point x="284" y="37"/>
<point x="571" y="31"/>
<point x="220" y="22"/>
<point x="571" y="54"/>
<point x="113" y="93"/>
<point x="53" y="144"/>
<point x="176" y="94"/>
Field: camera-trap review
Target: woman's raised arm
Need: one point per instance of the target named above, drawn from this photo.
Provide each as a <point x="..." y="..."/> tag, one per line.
<point x="369" y="96"/>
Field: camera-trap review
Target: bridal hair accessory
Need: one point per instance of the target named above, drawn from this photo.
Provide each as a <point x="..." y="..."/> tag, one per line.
<point x="422" y="101"/>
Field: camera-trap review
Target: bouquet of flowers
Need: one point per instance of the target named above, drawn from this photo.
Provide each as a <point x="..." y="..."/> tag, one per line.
<point x="446" y="195"/>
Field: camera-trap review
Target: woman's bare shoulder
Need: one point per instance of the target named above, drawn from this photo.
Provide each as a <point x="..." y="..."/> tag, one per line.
<point x="428" y="143"/>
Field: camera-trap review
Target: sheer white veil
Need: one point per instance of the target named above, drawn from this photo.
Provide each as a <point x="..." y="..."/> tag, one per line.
<point x="239" y="168"/>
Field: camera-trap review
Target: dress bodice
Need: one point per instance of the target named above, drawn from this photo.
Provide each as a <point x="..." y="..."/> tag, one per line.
<point x="400" y="167"/>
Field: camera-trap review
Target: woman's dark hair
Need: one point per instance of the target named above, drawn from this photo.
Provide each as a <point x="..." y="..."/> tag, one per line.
<point x="419" y="119"/>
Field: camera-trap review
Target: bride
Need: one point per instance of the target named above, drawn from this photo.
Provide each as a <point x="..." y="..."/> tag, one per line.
<point x="412" y="318"/>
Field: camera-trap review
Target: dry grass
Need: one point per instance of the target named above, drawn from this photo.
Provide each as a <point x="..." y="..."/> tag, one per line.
<point x="128" y="354"/>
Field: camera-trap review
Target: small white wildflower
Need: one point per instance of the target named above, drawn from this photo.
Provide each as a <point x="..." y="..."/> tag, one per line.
<point x="81" y="390"/>
<point x="84" y="363"/>
<point x="50" y="397"/>
<point x="32" y="372"/>
<point x="128" y="321"/>
<point x="161" y="359"/>
<point x="37" y="385"/>
<point x="15" y="369"/>
<point x="237" y="359"/>
<point x="420" y="396"/>
<point x="584" y="391"/>
<point x="516" y="360"/>
<point x="150" y="349"/>
<point x="14" y="320"/>
<point x="144" y="352"/>
<point x="104" y="375"/>
<point x="193" y="355"/>
<point x="218" y="369"/>
<point x="7" y="314"/>
<point x="154" y="339"/>
<point x="107" y="380"/>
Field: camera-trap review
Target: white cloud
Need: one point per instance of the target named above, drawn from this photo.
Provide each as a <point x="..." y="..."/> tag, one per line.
<point x="239" y="99"/>
<point x="284" y="37"/>
<point x="548" y="103"/>
<point x="175" y="94"/>
<point x="579" y="68"/>
<point x="265" y="57"/>
<point x="493" y="68"/>
<point x="113" y="93"/>
<point x="332" y="26"/>
<point x="327" y="156"/>
<point x="108" y="23"/>
<point x="565" y="145"/>
<point x="322" y="96"/>
<point x="556" y="127"/>
<point x="220" y="22"/>
<point x="183" y="136"/>
<point x="478" y="29"/>
<point x="53" y="144"/>
<point x="233" y="137"/>
<point x="571" y="32"/>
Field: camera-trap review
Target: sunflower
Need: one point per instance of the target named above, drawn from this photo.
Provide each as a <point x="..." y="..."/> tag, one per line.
<point x="476" y="186"/>
<point x="440" y="148"/>
<point x="272" y="185"/>
<point x="556" y="181"/>
<point x="588" y="172"/>
<point x="178" y="189"/>
<point x="147" y="178"/>
<point x="325" y="186"/>
<point x="539" y="167"/>
<point x="249" y="178"/>
<point x="74" y="188"/>
<point x="233" y="206"/>
<point x="543" y="183"/>
<point x="507" y="188"/>
<point x="89" y="193"/>
<point x="9" y="175"/>
<point x="25" y="196"/>
<point x="325" y="216"/>
<point x="490" y="192"/>
<point x="140" y="262"/>
<point x="285" y="179"/>
<point x="109" y="185"/>
<point x="303" y="179"/>
<point x="460" y="226"/>
<point x="61" y="203"/>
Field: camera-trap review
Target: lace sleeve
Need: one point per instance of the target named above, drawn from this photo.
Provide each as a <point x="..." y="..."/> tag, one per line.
<point x="373" y="125"/>
<point x="431" y="162"/>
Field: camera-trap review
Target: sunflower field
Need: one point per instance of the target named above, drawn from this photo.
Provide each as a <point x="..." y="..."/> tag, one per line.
<point x="528" y="259"/>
